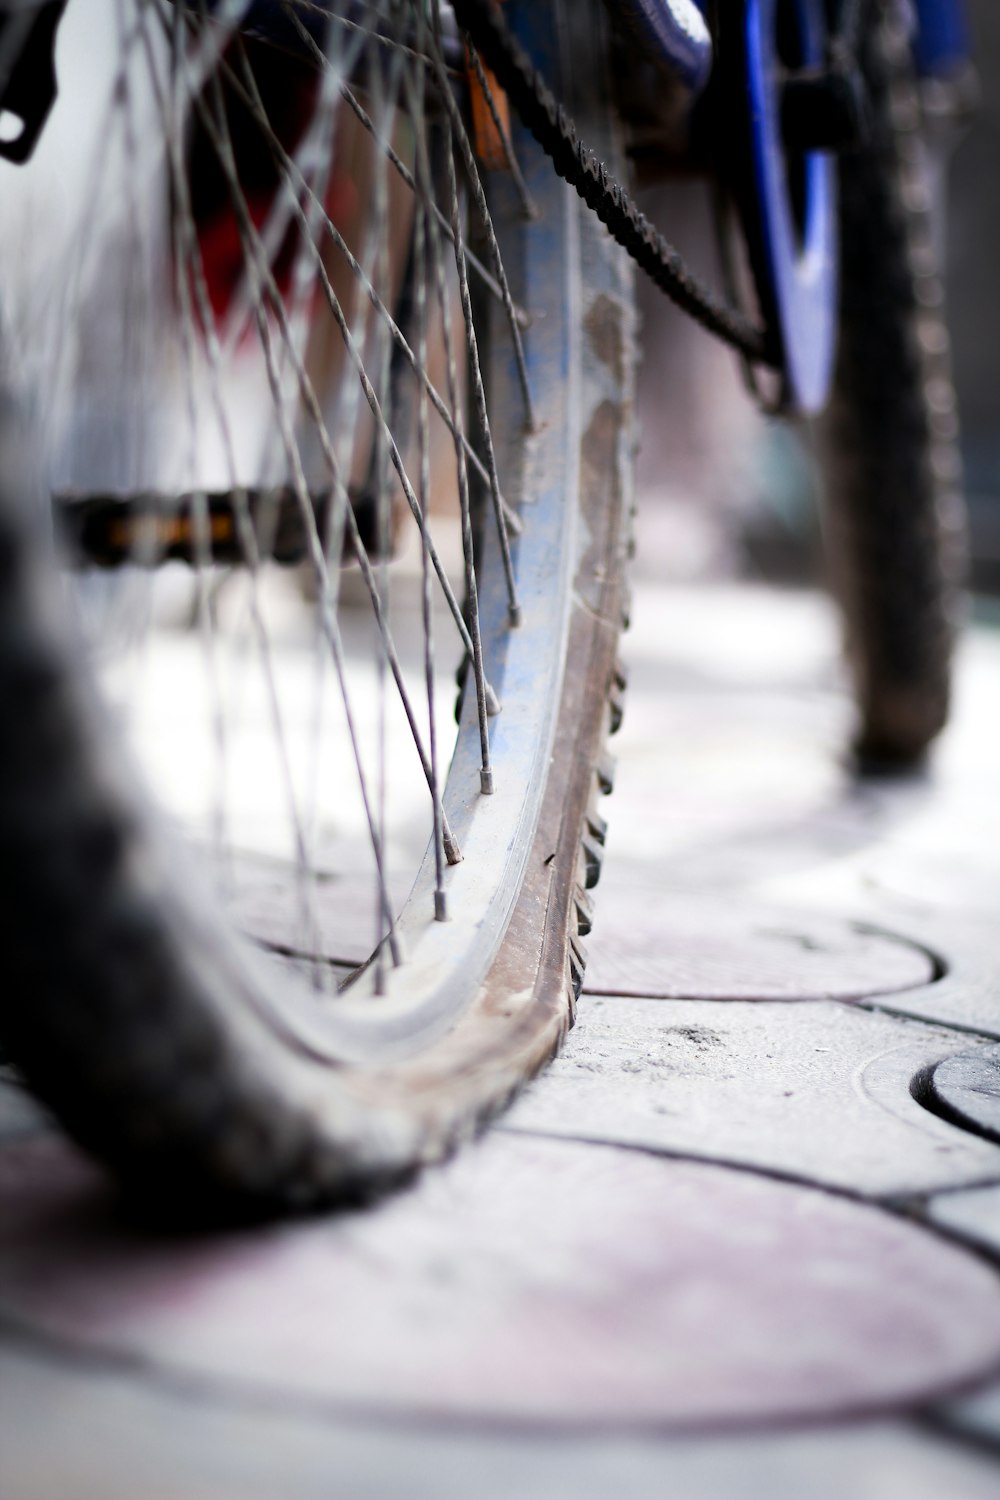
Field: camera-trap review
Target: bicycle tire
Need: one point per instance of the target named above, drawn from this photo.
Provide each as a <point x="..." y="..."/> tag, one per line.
<point x="893" y="510"/>
<point x="131" y="1008"/>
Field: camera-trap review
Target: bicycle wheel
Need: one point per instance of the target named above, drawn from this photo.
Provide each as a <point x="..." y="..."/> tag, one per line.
<point x="207" y="1066"/>
<point x="894" y="512"/>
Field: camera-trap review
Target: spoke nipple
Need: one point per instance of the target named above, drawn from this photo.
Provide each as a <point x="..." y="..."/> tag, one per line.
<point x="514" y="616"/>
<point x="486" y="782"/>
<point x="440" y="906"/>
<point x="452" y="852"/>
<point x="493" y="704"/>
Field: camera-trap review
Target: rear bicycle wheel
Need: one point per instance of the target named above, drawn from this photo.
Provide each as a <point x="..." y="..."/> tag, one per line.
<point x="894" y="514"/>
<point x="200" y="1064"/>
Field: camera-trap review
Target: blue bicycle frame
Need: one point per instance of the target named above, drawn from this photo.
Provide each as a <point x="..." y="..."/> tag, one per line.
<point x="678" y="38"/>
<point x="941" y="41"/>
<point x="795" y="236"/>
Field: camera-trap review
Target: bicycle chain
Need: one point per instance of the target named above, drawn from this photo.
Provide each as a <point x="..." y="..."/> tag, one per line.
<point x="574" y="161"/>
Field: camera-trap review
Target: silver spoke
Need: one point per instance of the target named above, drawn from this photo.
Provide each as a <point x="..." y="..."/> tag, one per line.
<point x="311" y="249"/>
<point x="513" y="166"/>
<point x="314" y="405"/>
<point x="254" y="250"/>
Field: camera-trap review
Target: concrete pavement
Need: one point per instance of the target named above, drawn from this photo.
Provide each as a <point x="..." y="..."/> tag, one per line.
<point x="732" y="1245"/>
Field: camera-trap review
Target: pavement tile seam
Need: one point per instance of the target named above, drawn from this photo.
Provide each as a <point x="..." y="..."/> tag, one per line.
<point x="900" y="1205"/>
<point x="197" y="1388"/>
<point x="927" y="1017"/>
<point x="194" y="1389"/>
<point x="547" y="1168"/>
<point x="955" y="1422"/>
<point x="328" y="1461"/>
<point x="193" y="1386"/>
<point x="960" y="1002"/>
<point x="674" y="946"/>
<point x="619" y="1081"/>
<point x="932" y="1008"/>
<point x="968" y="975"/>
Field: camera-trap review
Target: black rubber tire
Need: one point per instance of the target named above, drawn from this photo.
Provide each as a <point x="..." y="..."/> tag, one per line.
<point x="131" y="1011"/>
<point x="892" y="476"/>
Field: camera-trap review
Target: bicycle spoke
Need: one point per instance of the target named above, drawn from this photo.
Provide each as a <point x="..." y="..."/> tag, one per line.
<point x="513" y="606"/>
<point x="423" y="445"/>
<point x="191" y="266"/>
<point x="475" y="647"/>
<point x="496" y="285"/>
<point x="510" y="156"/>
<point x="486" y="222"/>
<point x="311" y="248"/>
<point x="387" y="436"/>
<point x="345" y="327"/>
<point x="201" y="524"/>
<point x="263" y="283"/>
<point x="254" y="250"/>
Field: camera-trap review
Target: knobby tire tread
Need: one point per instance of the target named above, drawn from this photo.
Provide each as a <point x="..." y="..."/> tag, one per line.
<point x="893" y="518"/>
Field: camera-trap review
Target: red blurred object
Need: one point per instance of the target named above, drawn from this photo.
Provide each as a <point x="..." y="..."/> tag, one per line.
<point x="288" y="89"/>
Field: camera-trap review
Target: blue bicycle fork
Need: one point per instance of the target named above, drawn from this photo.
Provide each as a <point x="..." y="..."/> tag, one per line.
<point x="675" y="36"/>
